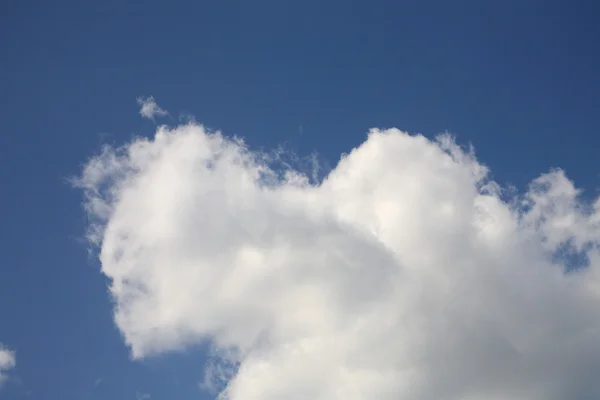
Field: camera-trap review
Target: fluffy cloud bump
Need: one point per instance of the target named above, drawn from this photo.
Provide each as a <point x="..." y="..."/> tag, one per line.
<point x="405" y="273"/>
<point x="7" y="362"/>
<point x="149" y="108"/>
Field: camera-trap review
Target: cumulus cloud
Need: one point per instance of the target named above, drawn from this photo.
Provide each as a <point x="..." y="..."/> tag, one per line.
<point x="8" y="361"/>
<point x="149" y="109"/>
<point x="405" y="273"/>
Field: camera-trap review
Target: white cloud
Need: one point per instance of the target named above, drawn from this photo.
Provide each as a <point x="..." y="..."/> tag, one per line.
<point x="404" y="274"/>
<point x="149" y="109"/>
<point x="8" y="361"/>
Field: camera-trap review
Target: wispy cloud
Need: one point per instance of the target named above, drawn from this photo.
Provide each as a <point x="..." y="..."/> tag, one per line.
<point x="149" y="109"/>
<point x="142" y="396"/>
<point x="8" y="361"/>
<point x="220" y="369"/>
<point x="406" y="273"/>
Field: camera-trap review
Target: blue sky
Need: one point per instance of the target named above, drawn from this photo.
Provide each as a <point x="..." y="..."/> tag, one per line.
<point x="518" y="79"/>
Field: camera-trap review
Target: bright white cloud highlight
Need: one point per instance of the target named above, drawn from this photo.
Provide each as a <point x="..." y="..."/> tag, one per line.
<point x="149" y="109"/>
<point x="404" y="274"/>
<point x="8" y="361"/>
